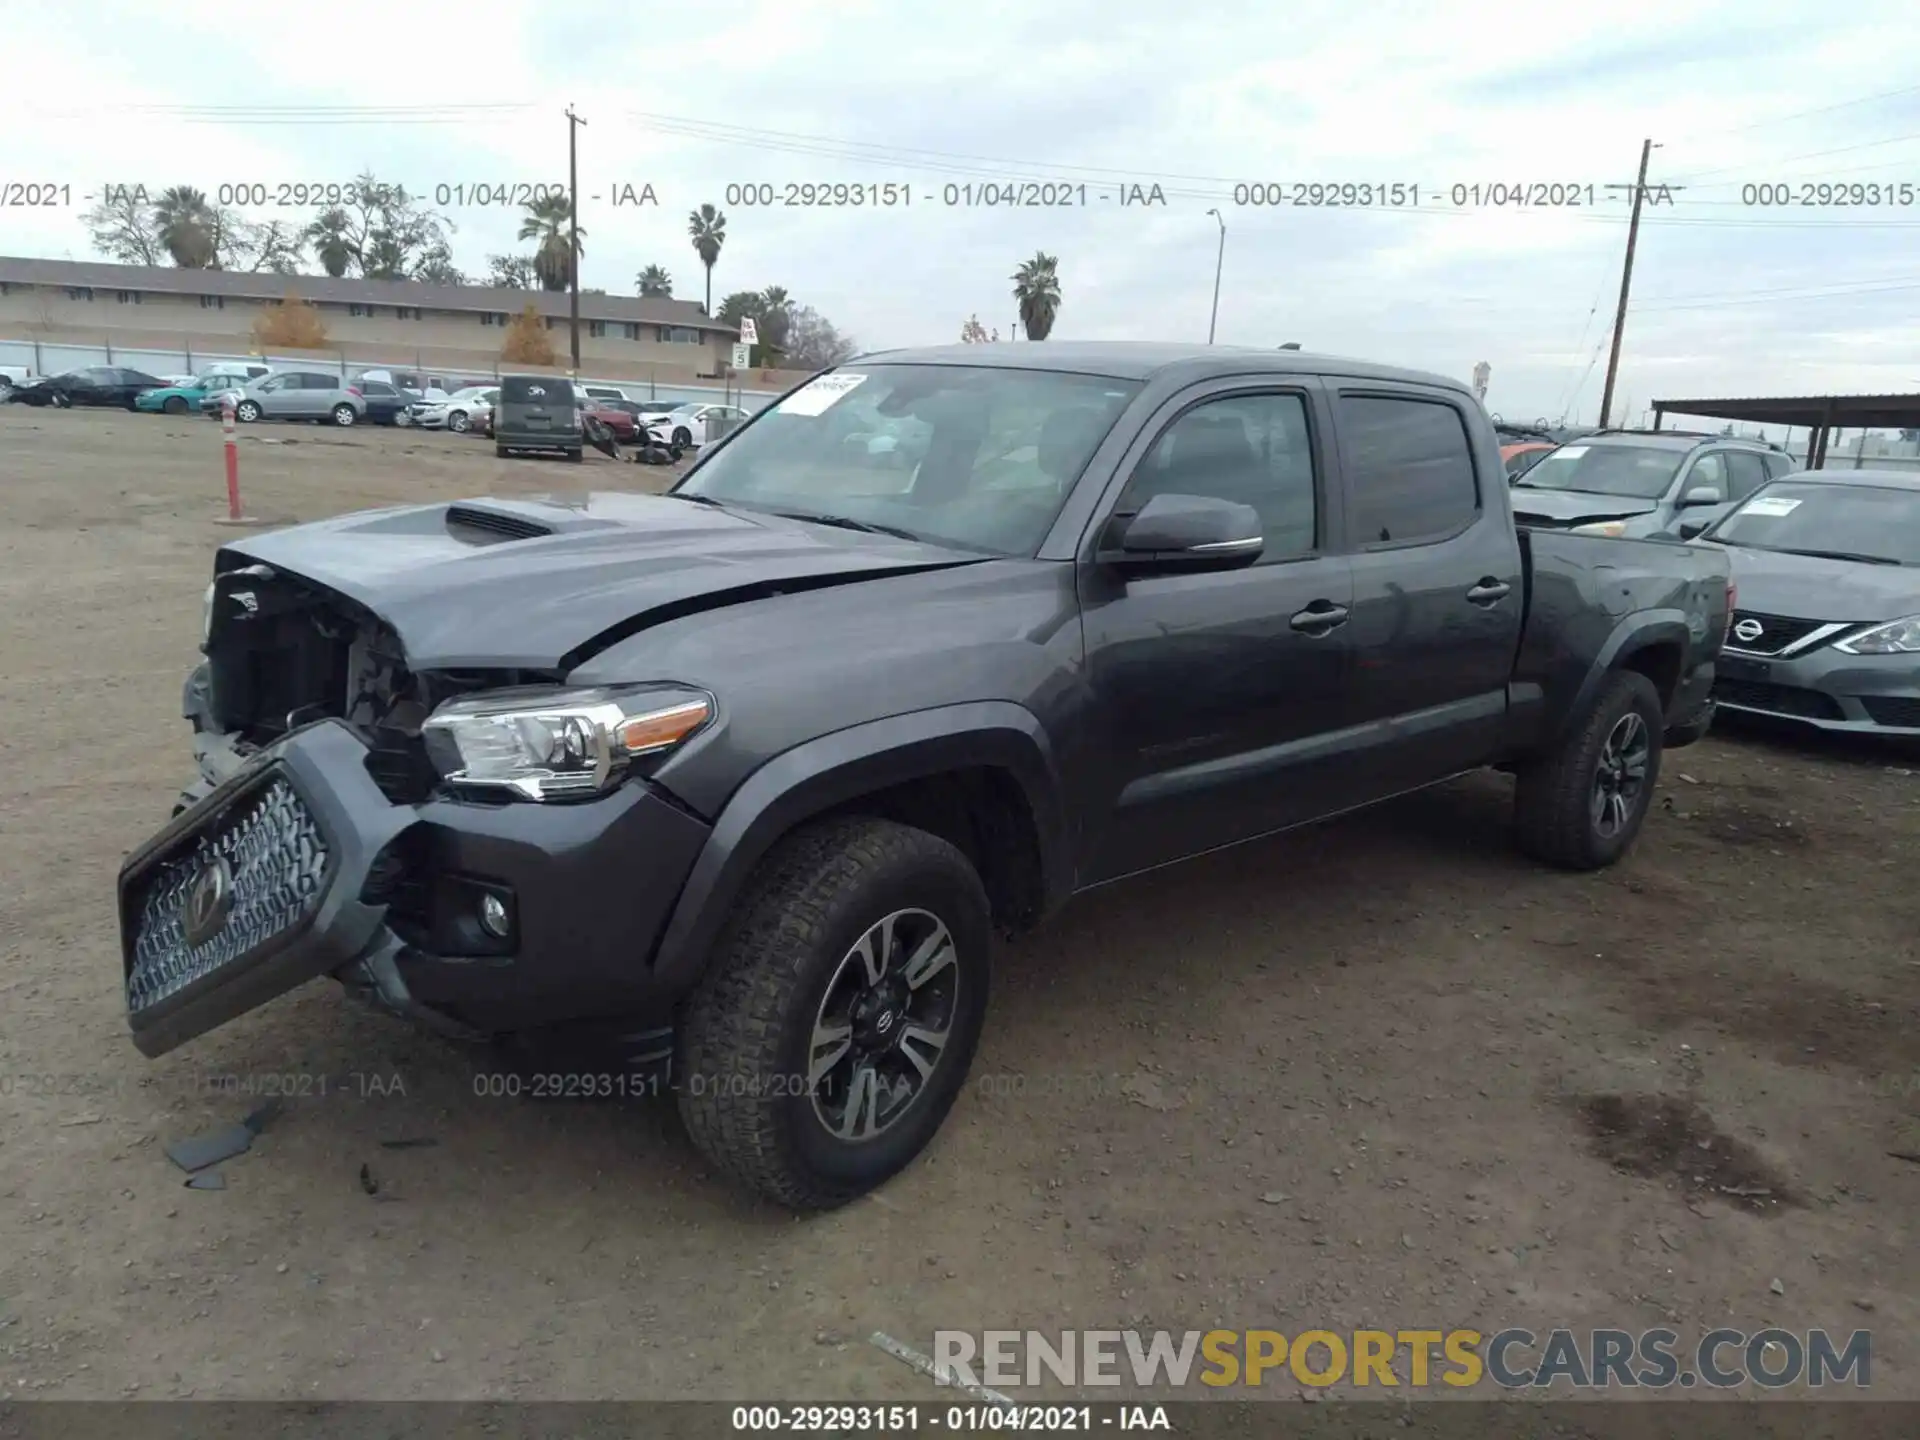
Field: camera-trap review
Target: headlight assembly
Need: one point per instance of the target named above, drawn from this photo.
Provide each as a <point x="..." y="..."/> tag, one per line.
<point x="1615" y="528"/>
<point x="1896" y="637"/>
<point x="558" y="744"/>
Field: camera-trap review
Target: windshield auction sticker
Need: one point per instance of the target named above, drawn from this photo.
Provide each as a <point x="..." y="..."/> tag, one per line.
<point x="816" y="397"/>
<point x="1775" y="505"/>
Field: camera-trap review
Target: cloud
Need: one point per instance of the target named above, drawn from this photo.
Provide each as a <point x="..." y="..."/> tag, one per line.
<point x="1196" y="100"/>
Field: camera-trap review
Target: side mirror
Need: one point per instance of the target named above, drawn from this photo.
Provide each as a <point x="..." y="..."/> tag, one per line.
<point x="1689" y="529"/>
<point x="1182" y="534"/>
<point x="1702" y="495"/>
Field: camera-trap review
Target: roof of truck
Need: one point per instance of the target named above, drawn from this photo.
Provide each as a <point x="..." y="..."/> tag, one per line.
<point x="1145" y="359"/>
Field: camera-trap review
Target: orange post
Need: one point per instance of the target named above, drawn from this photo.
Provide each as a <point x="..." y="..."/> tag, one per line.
<point x="233" y="458"/>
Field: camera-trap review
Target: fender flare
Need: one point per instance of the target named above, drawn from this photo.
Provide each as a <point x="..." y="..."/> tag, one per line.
<point x="820" y="774"/>
<point x="1635" y="632"/>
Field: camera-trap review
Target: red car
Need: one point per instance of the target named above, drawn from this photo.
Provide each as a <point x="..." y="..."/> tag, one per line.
<point x="621" y="422"/>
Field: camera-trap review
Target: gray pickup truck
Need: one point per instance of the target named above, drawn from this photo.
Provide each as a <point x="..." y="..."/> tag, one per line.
<point x="757" y="767"/>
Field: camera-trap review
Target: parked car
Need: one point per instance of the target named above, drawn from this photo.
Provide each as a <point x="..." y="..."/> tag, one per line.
<point x="1642" y="482"/>
<point x="538" y="413"/>
<point x="294" y="395"/>
<point x="689" y="424"/>
<point x="756" y="767"/>
<point x="458" y="411"/>
<point x="413" y="380"/>
<point x="1522" y="457"/>
<point x="1827" y="629"/>
<point x="387" y="403"/>
<point x="11" y="376"/>
<point x="608" y="394"/>
<point x="623" y="423"/>
<point x="93" y="385"/>
<point x="181" y="399"/>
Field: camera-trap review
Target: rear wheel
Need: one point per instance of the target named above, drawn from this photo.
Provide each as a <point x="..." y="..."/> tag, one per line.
<point x="500" y="451"/>
<point x="839" y="1013"/>
<point x="344" y="414"/>
<point x="1580" y="807"/>
<point x="576" y="456"/>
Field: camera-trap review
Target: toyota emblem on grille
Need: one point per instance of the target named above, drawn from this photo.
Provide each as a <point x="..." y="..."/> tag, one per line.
<point x="1749" y="631"/>
<point x="209" y="898"/>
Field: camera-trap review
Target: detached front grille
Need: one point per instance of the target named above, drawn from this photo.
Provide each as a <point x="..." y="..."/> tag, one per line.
<point x="1778" y="700"/>
<point x="258" y="872"/>
<point x="1777" y="632"/>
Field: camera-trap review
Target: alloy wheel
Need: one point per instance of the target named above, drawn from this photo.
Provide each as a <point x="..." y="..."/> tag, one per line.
<point x="883" y="1025"/>
<point x="1621" y="776"/>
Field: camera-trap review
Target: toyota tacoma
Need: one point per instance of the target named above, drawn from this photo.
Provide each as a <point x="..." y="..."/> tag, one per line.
<point x="760" y="766"/>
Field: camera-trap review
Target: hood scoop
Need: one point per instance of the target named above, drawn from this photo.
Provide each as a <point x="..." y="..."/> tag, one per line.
<point x="475" y="526"/>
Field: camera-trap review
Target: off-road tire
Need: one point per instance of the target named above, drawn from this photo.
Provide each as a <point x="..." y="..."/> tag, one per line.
<point x="1553" y="820"/>
<point x="748" y="1025"/>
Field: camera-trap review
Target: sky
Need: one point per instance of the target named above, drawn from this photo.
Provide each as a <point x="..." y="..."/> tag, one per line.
<point x="1219" y="104"/>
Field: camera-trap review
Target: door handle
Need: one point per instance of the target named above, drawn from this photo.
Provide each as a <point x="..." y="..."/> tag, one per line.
<point x="1319" y="617"/>
<point x="1489" y="591"/>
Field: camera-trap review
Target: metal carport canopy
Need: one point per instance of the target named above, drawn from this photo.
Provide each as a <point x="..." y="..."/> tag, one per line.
<point x="1894" y="412"/>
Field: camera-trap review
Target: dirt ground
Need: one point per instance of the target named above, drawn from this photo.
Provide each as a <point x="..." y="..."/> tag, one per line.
<point x="1382" y="1072"/>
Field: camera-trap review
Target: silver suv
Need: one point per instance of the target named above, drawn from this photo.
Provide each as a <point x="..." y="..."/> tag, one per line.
<point x="1638" y="483"/>
<point x="299" y="395"/>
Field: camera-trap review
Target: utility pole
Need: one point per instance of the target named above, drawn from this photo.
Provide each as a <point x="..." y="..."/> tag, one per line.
<point x="574" y="122"/>
<point x="1626" y="283"/>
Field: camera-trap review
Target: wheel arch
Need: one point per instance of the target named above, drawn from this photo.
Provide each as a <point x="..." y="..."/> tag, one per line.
<point x="1654" y="643"/>
<point x="980" y="775"/>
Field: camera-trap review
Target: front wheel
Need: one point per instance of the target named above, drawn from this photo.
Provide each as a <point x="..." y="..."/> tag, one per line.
<point x="683" y="437"/>
<point x="344" y="414"/>
<point x="175" y="405"/>
<point x="839" y="1013"/>
<point x="60" y="401"/>
<point x="246" y="412"/>
<point x="458" y="422"/>
<point x="1581" y="806"/>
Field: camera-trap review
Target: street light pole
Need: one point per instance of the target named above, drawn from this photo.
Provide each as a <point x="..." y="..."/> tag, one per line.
<point x="1219" y="259"/>
<point x="574" y="122"/>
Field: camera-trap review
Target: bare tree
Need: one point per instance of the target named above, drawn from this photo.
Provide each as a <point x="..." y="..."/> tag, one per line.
<point x="812" y="341"/>
<point x="122" y="228"/>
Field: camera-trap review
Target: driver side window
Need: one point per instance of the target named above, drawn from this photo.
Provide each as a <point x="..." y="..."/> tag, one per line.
<point x="1253" y="450"/>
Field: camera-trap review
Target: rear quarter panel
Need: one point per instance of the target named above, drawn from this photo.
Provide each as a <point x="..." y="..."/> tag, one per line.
<point x="1593" y="602"/>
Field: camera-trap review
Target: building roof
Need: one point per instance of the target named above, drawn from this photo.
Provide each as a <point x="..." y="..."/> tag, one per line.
<point x="1892" y="411"/>
<point x="1142" y="359"/>
<point x="265" y="285"/>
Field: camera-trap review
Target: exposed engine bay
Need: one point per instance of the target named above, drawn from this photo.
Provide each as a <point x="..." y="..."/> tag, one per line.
<point x="283" y="652"/>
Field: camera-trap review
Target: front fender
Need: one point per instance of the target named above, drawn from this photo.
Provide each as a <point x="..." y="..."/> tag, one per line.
<point x="813" y="778"/>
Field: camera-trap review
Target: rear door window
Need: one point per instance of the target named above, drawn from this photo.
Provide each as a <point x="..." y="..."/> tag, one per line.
<point x="1745" y="473"/>
<point x="1410" y="475"/>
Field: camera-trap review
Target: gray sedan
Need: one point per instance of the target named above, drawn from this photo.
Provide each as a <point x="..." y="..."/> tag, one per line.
<point x="1827" y="629"/>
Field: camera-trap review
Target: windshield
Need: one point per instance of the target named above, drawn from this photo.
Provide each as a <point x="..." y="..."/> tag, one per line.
<point x="1872" y="522"/>
<point x="1641" y="471"/>
<point x="976" y="457"/>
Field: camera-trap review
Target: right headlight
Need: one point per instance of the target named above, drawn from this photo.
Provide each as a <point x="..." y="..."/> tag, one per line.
<point x="559" y="744"/>
<point x="1896" y="637"/>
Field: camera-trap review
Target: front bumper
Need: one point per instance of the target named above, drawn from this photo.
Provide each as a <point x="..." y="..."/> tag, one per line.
<point x="326" y="875"/>
<point x="1827" y="689"/>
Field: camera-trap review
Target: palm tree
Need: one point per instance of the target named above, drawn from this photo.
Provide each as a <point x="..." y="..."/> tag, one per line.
<point x="183" y="220"/>
<point x="708" y="227"/>
<point x="654" y="281"/>
<point x="332" y="237"/>
<point x="548" y="219"/>
<point x="776" y="312"/>
<point x="1036" y="286"/>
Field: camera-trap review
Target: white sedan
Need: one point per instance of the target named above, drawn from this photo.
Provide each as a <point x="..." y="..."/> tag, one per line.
<point x="688" y="424"/>
<point x="461" y="411"/>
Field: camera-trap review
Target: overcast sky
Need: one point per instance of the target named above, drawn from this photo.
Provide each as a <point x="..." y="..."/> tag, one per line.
<point x="1730" y="298"/>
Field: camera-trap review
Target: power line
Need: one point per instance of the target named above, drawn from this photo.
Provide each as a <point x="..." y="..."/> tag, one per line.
<point x="1804" y="114"/>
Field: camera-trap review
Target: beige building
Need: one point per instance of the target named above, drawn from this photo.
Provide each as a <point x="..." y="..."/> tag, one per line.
<point x="429" y="327"/>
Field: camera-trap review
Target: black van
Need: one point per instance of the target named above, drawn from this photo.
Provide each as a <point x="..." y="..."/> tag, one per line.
<point x="537" y="412"/>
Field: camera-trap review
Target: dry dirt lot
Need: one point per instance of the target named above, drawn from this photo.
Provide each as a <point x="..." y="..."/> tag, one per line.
<point x="1383" y="1072"/>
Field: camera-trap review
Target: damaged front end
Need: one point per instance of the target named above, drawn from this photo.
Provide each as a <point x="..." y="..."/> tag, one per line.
<point x="320" y="838"/>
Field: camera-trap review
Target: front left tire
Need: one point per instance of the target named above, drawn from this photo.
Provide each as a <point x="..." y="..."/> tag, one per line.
<point x="839" y="1014"/>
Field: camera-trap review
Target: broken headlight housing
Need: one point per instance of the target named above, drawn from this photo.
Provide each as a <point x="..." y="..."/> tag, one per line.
<point x="542" y="744"/>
